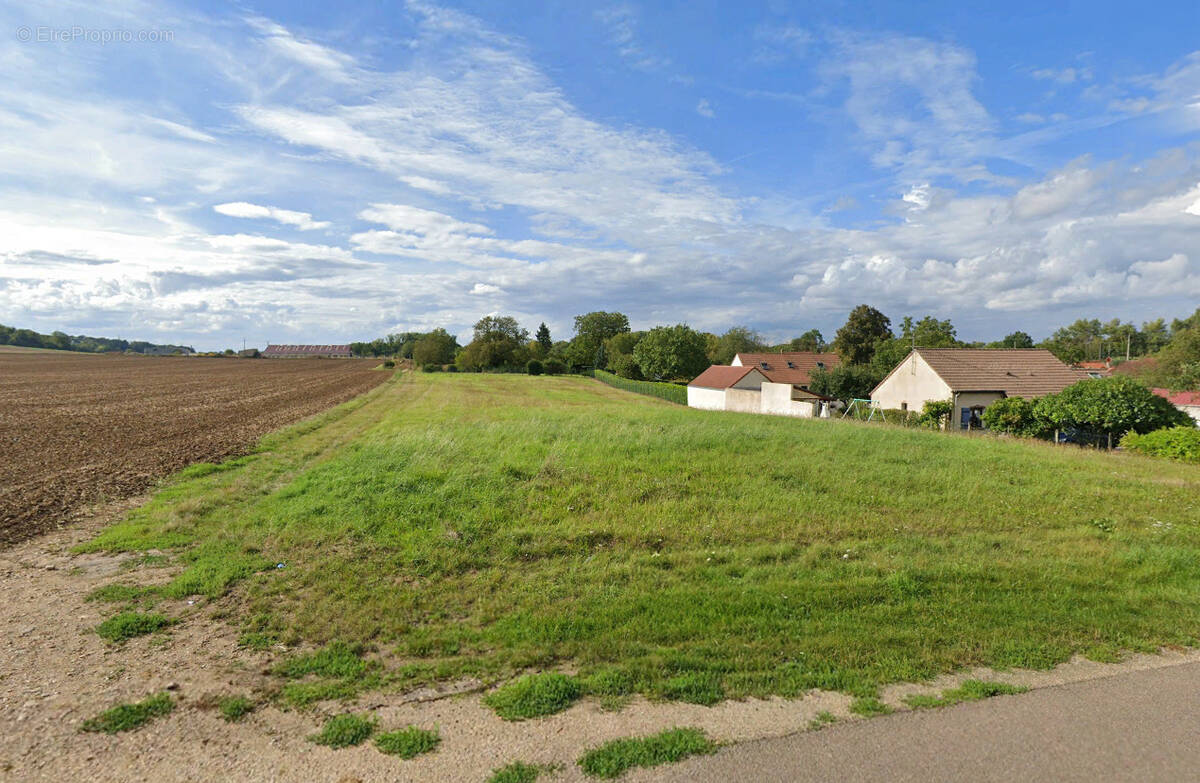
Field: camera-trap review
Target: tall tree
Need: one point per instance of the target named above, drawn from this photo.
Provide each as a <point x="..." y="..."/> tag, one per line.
<point x="1016" y="340"/>
<point x="809" y="341"/>
<point x="543" y="339"/>
<point x="499" y="341"/>
<point x="437" y="347"/>
<point x="866" y="327"/>
<point x="739" y="339"/>
<point x="591" y="330"/>
<point x="673" y="353"/>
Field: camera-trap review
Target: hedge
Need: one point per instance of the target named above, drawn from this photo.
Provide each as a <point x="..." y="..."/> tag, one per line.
<point x="671" y="392"/>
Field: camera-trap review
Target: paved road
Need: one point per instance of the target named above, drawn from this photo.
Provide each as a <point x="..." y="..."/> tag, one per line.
<point x="1140" y="726"/>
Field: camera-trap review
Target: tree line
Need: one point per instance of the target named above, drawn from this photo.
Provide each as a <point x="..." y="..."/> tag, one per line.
<point x="61" y="341"/>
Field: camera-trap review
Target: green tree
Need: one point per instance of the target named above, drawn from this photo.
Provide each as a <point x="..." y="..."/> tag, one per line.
<point x="738" y="339"/>
<point x="671" y="353"/>
<point x="845" y="382"/>
<point x="545" y="344"/>
<point x="1154" y="335"/>
<point x="1016" y="340"/>
<point x="1014" y="416"/>
<point x="437" y="347"/>
<point x="498" y="342"/>
<point x="865" y="328"/>
<point x="1108" y="407"/>
<point x="591" y="330"/>
<point x="809" y="341"/>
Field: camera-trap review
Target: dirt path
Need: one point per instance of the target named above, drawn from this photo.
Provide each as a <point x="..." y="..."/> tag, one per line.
<point x="55" y="672"/>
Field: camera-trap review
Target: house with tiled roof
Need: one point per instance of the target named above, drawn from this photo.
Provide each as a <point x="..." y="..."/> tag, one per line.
<point x="794" y="367"/>
<point x="307" y="352"/>
<point x="972" y="379"/>
<point x="1186" y="401"/>
<point x="753" y="389"/>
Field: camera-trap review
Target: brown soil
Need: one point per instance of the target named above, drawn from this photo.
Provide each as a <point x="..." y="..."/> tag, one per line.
<point x="77" y="428"/>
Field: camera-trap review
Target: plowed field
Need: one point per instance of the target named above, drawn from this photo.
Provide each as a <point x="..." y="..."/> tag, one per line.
<point x="77" y="428"/>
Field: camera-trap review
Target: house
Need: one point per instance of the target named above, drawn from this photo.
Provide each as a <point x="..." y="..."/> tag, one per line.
<point x="1187" y="401"/>
<point x="751" y="389"/>
<point x="1096" y="369"/>
<point x="307" y="352"/>
<point x="972" y="379"/>
<point x="795" y="367"/>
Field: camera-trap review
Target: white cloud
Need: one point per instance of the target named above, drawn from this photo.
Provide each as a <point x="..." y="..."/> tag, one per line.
<point x="481" y="289"/>
<point x="705" y="109"/>
<point x="244" y="209"/>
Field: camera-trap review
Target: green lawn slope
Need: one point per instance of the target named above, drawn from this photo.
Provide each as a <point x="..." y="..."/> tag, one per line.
<point x="489" y="524"/>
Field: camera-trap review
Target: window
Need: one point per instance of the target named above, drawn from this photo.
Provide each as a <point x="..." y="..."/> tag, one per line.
<point x="765" y="366"/>
<point x="904" y="406"/>
<point x="791" y="365"/>
<point x="820" y="365"/>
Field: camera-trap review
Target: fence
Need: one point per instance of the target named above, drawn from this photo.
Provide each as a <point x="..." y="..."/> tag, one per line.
<point x="671" y="392"/>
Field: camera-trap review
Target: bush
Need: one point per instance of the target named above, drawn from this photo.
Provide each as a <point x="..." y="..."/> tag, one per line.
<point x="534" y="367"/>
<point x="534" y="695"/>
<point x="1014" y="416"/>
<point x="624" y="365"/>
<point x="936" y="413"/>
<point x="431" y="368"/>
<point x="389" y="363"/>
<point x="1109" y="406"/>
<point x="554" y="367"/>
<point x="1181" y="443"/>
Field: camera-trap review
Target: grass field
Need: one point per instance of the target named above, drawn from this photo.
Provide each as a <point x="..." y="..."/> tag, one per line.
<point x="492" y="524"/>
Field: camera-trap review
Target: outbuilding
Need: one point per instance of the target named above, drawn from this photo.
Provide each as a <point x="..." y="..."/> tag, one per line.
<point x="753" y="390"/>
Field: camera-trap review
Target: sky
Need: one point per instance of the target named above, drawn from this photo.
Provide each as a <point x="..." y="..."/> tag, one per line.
<point x="210" y="174"/>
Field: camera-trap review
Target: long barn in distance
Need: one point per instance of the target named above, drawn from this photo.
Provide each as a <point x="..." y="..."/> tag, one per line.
<point x="307" y="352"/>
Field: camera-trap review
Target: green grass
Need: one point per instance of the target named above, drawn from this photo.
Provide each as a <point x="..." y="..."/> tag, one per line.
<point x="613" y="759"/>
<point x="823" y="718"/>
<point x="126" y="717"/>
<point x="869" y="707"/>
<point x="671" y="392"/>
<point x="409" y="742"/>
<point x="971" y="690"/>
<point x="519" y="772"/>
<point x="534" y="695"/>
<point x="127" y="625"/>
<point x="343" y="731"/>
<point x="122" y="593"/>
<point x="479" y="525"/>
<point x="234" y="708"/>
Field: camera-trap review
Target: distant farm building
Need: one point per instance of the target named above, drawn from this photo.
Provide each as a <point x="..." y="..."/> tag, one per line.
<point x="307" y="352"/>
<point x="1096" y="369"/>
<point x="793" y="367"/>
<point x="972" y="379"/>
<point x="753" y="389"/>
<point x="1187" y="401"/>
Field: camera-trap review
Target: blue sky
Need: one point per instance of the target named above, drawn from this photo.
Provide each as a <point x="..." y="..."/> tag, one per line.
<point x="273" y="173"/>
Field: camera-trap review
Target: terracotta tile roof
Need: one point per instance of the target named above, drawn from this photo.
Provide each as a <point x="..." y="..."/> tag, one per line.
<point x="1031" y="372"/>
<point x="720" y="376"/>
<point x="798" y="372"/>
<point x="1179" y="398"/>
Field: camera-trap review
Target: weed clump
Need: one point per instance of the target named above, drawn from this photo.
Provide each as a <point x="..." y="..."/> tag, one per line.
<point x="409" y="742"/>
<point x="971" y="690"/>
<point x="343" y="731"/>
<point x="126" y="717"/>
<point x="234" y="708"/>
<point x="534" y="695"/>
<point x="127" y="625"/>
<point x="869" y="707"/>
<point x="613" y="759"/>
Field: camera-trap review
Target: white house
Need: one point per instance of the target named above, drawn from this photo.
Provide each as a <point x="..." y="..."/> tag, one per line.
<point x="753" y="390"/>
<point x="972" y="379"/>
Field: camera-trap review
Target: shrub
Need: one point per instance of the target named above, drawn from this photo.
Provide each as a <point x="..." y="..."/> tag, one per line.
<point x="408" y="743"/>
<point x="389" y="363"/>
<point x="554" y="367"/>
<point x="431" y="368"/>
<point x="1181" y="443"/>
<point x="126" y="717"/>
<point x="534" y="367"/>
<point x="127" y="625"/>
<point x="624" y="365"/>
<point x="613" y="759"/>
<point x="936" y="413"/>
<point x="1014" y="416"/>
<point x="534" y="695"/>
<point x="342" y="731"/>
<point x="1108" y="406"/>
<point x="671" y="392"/>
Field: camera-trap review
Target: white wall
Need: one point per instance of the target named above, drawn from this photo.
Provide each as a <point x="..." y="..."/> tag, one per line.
<point x="777" y="400"/>
<point x="1191" y="410"/>
<point x="743" y="400"/>
<point x="913" y="383"/>
<point x="706" y="399"/>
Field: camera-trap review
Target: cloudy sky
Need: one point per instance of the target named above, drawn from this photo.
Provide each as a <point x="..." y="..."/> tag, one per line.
<point x="269" y="173"/>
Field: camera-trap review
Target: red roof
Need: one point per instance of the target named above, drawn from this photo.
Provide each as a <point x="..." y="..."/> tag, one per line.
<point x="720" y="376"/>
<point x="1179" y="398"/>
<point x="306" y="350"/>
<point x="793" y="367"/>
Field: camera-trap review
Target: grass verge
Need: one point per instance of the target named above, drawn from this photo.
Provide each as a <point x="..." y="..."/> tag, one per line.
<point x="234" y="708"/>
<point x="613" y="759"/>
<point x="869" y="707"/>
<point x="478" y="525"/>
<point x="519" y="772"/>
<point x="534" y="695"/>
<point x="126" y="717"/>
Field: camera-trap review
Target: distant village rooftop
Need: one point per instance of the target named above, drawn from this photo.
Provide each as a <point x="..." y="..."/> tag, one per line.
<point x="307" y="352"/>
